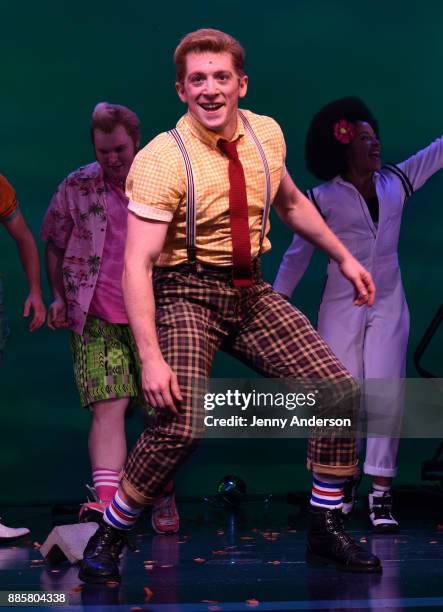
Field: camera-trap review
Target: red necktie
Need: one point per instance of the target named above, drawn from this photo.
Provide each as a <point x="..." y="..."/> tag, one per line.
<point x="238" y="215"/>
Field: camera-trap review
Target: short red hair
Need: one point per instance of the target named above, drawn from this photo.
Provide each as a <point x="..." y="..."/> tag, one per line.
<point x="106" y="117"/>
<point x="211" y="40"/>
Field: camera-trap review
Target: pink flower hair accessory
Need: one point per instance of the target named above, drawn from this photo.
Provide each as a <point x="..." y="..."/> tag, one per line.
<point x="344" y="131"/>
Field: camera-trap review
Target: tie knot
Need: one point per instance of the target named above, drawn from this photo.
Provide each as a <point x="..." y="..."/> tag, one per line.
<point x="228" y="148"/>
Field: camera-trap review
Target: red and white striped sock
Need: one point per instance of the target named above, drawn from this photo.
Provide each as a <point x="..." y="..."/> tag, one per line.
<point x="121" y="515"/>
<point x="105" y="482"/>
<point x="327" y="491"/>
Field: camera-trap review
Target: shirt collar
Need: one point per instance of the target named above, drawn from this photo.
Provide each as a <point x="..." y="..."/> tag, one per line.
<point x="208" y="136"/>
<point x="340" y="179"/>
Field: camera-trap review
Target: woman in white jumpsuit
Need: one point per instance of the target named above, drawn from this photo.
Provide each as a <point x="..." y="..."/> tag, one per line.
<point x="362" y="202"/>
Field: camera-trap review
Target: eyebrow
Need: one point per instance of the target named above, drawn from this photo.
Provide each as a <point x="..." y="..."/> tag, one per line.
<point x="203" y="74"/>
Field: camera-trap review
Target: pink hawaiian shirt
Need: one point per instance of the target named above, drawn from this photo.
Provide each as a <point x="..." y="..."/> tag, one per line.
<point x="76" y="222"/>
<point x="107" y="302"/>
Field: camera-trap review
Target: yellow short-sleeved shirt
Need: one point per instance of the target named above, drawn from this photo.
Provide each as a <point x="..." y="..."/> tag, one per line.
<point x="156" y="186"/>
<point x="8" y="200"/>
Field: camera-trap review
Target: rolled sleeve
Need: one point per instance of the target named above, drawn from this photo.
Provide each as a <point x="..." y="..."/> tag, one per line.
<point x="8" y="200"/>
<point x="155" y="185"/>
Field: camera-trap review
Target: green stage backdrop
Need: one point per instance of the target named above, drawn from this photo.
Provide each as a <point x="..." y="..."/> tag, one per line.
<point x="60" y="59"/>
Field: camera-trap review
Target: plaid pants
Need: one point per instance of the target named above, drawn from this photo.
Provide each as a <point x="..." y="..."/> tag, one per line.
<point x="199" y="312"/>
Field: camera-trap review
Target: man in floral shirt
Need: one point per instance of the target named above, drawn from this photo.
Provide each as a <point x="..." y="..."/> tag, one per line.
<point x="13" y="221"/>
<point x="85" y="232"/>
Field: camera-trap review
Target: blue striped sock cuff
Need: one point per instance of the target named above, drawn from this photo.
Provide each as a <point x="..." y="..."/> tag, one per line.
<point x="120" y="515"/>
<point x="327" y="492"/>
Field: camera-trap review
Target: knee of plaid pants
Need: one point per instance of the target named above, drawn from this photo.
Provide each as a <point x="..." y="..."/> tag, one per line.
<point x="280" y="342"/>
<point x="157" y="455"/>
<point x="335" y="452"/>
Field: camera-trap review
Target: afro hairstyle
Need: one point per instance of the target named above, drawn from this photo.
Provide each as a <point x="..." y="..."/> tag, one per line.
<point x="325" y="155"/>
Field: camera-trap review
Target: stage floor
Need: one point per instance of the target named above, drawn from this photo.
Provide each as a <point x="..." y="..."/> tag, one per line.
<point x="252" y="559"/>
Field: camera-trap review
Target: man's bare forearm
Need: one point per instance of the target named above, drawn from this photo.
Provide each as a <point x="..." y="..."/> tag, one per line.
<point x="302" y="217"/>
<point x="140" y="307"/>
<point x="27" y="250"/>
<point x="54" y="270"/>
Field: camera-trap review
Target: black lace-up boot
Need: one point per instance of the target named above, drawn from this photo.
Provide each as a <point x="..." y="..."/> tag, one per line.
<point x="101" y="556"/>
<point x="328" y="543"/>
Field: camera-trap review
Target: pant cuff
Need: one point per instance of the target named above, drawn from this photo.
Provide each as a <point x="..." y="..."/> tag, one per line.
<point x="373" y="470"/>
<point x="335" y="470"/>
<point x="134" y="494"/>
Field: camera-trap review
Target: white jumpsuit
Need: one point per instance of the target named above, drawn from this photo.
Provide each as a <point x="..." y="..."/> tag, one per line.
<point x="370" y="342"/>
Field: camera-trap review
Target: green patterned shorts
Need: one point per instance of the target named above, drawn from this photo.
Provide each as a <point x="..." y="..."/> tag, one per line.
<point x="106" y="363"/>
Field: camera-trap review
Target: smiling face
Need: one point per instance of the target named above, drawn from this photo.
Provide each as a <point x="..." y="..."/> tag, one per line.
<point x="211" y="88"/>
<point x="364" y="150"/>
<point x="114" y="152"/>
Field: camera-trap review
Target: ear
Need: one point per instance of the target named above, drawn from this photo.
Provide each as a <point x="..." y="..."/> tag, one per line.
<point x="180" y="89"/>
<point x="243" y="86"/>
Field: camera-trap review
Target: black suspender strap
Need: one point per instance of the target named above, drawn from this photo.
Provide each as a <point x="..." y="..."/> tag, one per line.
<point x="191" y="248"/>
<point x="267" y="198"/>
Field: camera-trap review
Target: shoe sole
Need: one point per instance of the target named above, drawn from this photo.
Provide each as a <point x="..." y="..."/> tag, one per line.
<point x="13" y="538"/>
<point x="313" y="559"/>
<point x="384" y="529"/>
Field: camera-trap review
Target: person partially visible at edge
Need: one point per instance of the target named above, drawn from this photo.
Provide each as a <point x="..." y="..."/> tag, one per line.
<point x="209" y="293"/>
<point x="14" y="222"/>
<point x="362" y="202"/>
<point x="85" y="233"/>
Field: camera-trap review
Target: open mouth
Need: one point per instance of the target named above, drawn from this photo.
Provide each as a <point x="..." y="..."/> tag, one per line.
<point x="211" y="107"/>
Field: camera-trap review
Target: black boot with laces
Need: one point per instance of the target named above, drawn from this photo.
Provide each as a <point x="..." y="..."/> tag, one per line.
<point x="101" y="556"/>
<point x="328" y="543"/>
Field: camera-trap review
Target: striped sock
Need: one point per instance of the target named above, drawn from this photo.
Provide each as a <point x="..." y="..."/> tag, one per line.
<point x="105" y="483"/>
<point x="120" y="515"/>
<point x="327" y="491"/>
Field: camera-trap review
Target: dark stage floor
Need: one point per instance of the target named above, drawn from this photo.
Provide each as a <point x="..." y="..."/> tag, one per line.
<point x="251" y="560"/>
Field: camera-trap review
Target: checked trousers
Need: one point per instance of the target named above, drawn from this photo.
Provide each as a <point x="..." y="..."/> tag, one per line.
<point x="198" y="311"/>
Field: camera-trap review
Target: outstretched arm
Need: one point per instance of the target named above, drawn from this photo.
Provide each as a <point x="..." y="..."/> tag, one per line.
<point x="302" y="217"/>
<point x="144" y="244"/>
<point x="27" y="249"/>
<point x="420" y="167"/>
